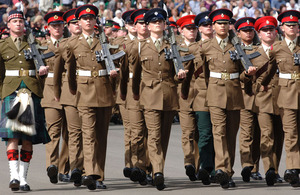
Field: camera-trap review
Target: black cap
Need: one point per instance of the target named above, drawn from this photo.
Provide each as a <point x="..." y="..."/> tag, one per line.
<point x="220" y="15"/>
<point x="55" y="17"/>
<point x="290" y="17"/>
<point x="109" y="23"/>
<point x="155" y="14"/>
<point x="86" y="10"/>
<point x="69" y="16"/>
<point x="138" y="15"/>
<point x="126" y="16"/>
<point x="246" y="23"/>
<point x="203" y="18"/>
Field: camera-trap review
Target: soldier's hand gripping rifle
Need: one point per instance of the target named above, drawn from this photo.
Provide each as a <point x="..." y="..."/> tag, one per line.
<point x="34" y="52"/>
<point x="173" y="52"/>
<point x="239" y="53"/>
<point x="104" y="53"/>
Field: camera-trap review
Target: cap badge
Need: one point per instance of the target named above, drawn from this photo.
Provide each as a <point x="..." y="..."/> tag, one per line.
<point x="291" y="16"/>
<point x="88" y="10"/>
<point x="192" y="21"/>
<point x="144" y="14"/>
<point x="156" y="13"/>
<point x="222" y="15"/>
<point x="55" y="17"/>
<point x="248" y="22"/>
<point x="206" y="17"/>
<point x="267" y="22"/>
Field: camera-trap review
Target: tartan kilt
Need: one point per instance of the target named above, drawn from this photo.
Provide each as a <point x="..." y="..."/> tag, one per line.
<point x="41" y="136"/>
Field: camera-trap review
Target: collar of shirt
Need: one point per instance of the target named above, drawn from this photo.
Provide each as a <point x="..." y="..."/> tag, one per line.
<point x="86" y="36"/>
<point x="131" y="36"/>
<point x="288" y="41"/>
<point x="187" y="42"/>
<point x="265" y="47"/>
<point x="160" y="39"/>
<point x="219" y="39"/>
<point x="14" y="38"/>
<point x="53" y="39"/>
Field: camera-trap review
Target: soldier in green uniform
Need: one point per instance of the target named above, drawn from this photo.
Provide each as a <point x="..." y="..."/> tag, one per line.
<point x="22" y="117"/>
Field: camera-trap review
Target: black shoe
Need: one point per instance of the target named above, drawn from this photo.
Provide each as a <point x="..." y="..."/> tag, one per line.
<point x="127" y="172"/>
<point x="231" y="183"/>
<point x="89" y="182"/>
<point x="256" y="176"/>
<point x="291" y="176"/>
<point x="246" y="173"/>
<point x="270" y="177"/>
<point x="52" y="173"/>
<point x="100" y="185"/>
<point x="25" y="187"/>
<point x="212" y="179"/>
<point x="76" y="177"/>
<point x="63" y="177"/>
<point x="159" y="181"/>
<point x="149" y="179"/>
<point x="190" y="171"/>
<point x="14" y="185"/>
<point x="222" y="178"/>
<point x="278" y="179"/>
<point x="142" y="178"/>
<point x="135" y="174"/>
<point x="203" y="175"/>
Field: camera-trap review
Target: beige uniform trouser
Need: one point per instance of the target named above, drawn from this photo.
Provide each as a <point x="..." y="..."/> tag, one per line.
<point x="159" y="127"/>
<point x="271" y="140"/>
<point x="188" y="126"/>
<point x="249" y="139"/>
<point x="75" y="137"/>
<point x="291" y="127"/>
<point x="225" y="127"/>
<point x="127" y="135"/>
<point x="95" y="123"/>
<point x="55" y="119"/>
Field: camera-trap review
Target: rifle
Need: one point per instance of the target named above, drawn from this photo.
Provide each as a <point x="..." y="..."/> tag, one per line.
<point x="239" y="53"/>
<point x="104" y="53"/>
<point x="173" y="52"/>
<point x="33" y="53"/>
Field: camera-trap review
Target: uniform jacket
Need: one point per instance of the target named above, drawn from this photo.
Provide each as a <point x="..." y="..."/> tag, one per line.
<point x="282" y="58"/>
<point x="266" y="101"/>
<point x="158" y="85"/>
<point x="60" y="80"/>
<point x="225" y="94"/>
<point x="91" y="91"/>
<point x="13" y="59"/>
<point x="186" y="105"/>
<point x="48" y="99"/>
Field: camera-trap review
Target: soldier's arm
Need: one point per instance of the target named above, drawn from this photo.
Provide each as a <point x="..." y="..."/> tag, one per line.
<point x="58" y="70"/>
<point x="2" y="75"/>
<point x="271" y="69"/>
<point x="137" y="70"/>
<point x="71" y="69"/>
<point x="190" y="66"/>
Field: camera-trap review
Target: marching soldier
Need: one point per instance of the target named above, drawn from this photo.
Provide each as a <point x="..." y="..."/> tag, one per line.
<point x="135" y="112"/>
<point x="188" y="31"/>
<point x="68" y="101"/>
<point x="124" y="41"/>
<point x="266" y="101"/>
<point x="54" y="113"/>
<point x="204" y="126"/>
<point x="281" y="57"/>
<point x="224" y="95"/>
<point x="22" y="123"/>
<point x="94" y="94"/>
<point x="249" y="129"/>
<point x="158" y="90"/>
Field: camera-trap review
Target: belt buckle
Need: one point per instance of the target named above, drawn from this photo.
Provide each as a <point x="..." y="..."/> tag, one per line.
<point x="296" y="76"/>
<point x="95" y="73"/>
<point x="225" y="76"/>
<point x="24" y="73"/>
